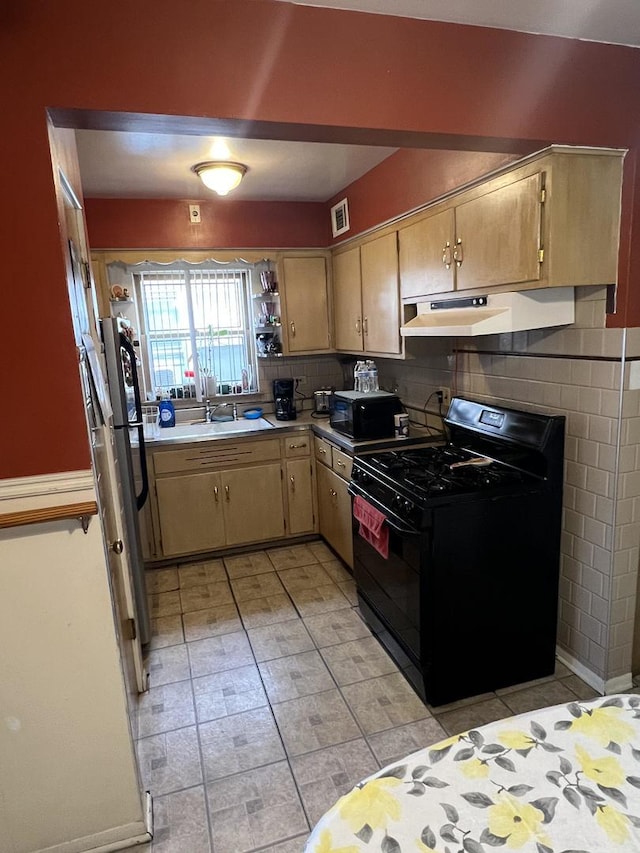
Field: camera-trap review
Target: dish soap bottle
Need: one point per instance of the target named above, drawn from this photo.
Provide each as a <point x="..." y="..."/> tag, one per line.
<point x="166" y="413"/>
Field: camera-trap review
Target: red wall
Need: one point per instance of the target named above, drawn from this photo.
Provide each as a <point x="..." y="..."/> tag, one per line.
<point x="409" y="179"/>
<point x="256" y="67"/>
<point x="164" y="223"/>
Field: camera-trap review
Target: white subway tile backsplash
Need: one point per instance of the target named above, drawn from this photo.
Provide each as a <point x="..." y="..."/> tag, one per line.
<point x="599" y="482"/>
<point x="590" y="627"/>
<point x="592" y="580"/>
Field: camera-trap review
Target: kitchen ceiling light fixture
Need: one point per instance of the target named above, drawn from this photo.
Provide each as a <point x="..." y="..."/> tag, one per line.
<point x="221" y="176"/>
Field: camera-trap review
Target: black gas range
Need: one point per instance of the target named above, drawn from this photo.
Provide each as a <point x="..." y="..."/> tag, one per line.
<point x="466" y="598"/>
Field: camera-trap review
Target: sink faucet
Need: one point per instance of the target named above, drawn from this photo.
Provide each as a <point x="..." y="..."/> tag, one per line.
<point x="207" y="411"/>
<point x="210" y="412"/>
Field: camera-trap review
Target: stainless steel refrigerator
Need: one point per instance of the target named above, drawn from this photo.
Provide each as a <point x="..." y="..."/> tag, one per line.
<point x="127" y="423"/>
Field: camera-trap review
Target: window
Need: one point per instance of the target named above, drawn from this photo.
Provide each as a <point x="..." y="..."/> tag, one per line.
<point x="195" y="325"/>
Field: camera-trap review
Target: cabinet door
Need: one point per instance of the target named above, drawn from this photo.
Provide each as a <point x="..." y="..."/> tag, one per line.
<point x="500" y="235"/>
<point x="381" y="294"/>
<point x="425" y="252"/>
<point x="347" y="301"/>
<point x="300" y="496"/>
<point x="306" y="304"/>
<point x="190" y="512"/>
<point x="253" y="506"/>
<point x="334" y="509"/>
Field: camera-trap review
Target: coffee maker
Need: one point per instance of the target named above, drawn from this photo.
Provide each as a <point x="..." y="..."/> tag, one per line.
<point x="283" y="397"/>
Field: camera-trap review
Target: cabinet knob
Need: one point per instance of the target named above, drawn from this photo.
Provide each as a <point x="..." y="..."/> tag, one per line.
<point x="226" y="492"/>
<point x="292" y="480"/>
<point x="333" y="493"/>
<point x="446" y="255"/>
<point x="118" y="546"/>
<point x="458" y="255"/>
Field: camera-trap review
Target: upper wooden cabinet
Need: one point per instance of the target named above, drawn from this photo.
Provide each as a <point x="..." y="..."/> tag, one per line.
<point x="366" y="297"/>
<point x="552" y="220"/>
<point x="305" y="304"/>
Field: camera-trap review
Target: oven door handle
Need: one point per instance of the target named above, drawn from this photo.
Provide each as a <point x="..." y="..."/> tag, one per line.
<point x="399" y="528"/>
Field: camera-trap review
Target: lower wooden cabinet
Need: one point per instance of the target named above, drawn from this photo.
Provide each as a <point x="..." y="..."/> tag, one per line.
<point x="299" y="484"/>
<point x="190" y="513"/>
<point x="203" y="512"/>
<point x="252" y="503"/>
<point x="268" y="494"/>
<point x="334" y="509"/>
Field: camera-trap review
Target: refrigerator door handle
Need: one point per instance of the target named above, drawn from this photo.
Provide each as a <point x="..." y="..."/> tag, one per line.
<point x="127" y="346"/>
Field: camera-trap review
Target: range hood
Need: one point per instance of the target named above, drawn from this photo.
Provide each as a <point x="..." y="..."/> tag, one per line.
<point x="492" y="314"/>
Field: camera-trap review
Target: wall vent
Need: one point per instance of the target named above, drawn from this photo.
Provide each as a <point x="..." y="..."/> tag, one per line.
<point x="340" y="217"/>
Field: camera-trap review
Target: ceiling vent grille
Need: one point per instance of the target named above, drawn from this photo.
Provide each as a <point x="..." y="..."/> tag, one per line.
<point x="340" y="217"/>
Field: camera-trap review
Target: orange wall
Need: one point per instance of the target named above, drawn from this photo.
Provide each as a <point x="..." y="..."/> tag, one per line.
<point x="164" y="223"/>
<point x="409" y="179"/>
<point x="256" y="67"/>
<point x="404" y="181"/>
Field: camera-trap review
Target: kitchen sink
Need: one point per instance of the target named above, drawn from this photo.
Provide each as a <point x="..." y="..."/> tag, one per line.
<point x="211" y="430"/>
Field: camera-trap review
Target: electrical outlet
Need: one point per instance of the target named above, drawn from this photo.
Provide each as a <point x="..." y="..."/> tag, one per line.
<point x="300" y="379"/>
<point x="194" y="213"/>
<point x="446" y="396"/>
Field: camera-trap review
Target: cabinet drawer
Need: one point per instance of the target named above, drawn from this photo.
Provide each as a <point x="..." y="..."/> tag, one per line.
<point x="323" y="451"/>
<point x="297" y="445"/>
<point x="342" y="463"/>
<point x="215" y="455"/>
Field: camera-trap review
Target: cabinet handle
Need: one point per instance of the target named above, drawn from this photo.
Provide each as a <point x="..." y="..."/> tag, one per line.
<point x="446" y="255"/>
<point x="298" y="447"/>
<point x="358" y="326"/>
<point x="340" y="464"/>
<point x="215" y="493"/>
<point x="458" y="255"/>
<point x="365" y="325"/>
<point x="322" y="450"/>
<point x="226" y="492"/>
<point x="292" y="480"/>
<point x="293" y="329"/>
<point x="333" y="493"/>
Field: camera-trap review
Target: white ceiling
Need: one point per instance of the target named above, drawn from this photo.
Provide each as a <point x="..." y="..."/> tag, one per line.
<point x="153" y="165"/>
<point x="614" y="21"/>
<point x="150" y="165"/>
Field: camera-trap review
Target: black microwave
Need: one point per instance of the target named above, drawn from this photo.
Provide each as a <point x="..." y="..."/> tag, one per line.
<point x="363" y="416"/>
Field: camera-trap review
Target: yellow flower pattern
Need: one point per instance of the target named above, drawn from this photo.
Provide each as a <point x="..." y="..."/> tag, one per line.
<point x="614" y="824"/>
<point x="560" y="779"/>
<point x="475" y="769"/>
<point x="605" y="771"/>
<point x="604" y="725"/>
<point x="516" y="821"/>
<point x="515" y="739"/>
<point x="373" y="804"/>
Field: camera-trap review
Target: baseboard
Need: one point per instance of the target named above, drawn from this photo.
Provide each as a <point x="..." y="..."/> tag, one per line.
<point x="112" y="840"/>
<point x="619" y="684"/>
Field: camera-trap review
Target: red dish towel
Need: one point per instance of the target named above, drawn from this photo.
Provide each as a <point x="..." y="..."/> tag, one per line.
<point x="372" y="525"/>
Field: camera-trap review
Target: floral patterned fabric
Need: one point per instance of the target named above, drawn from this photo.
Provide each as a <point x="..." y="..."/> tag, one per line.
<point x="561" y="780"/>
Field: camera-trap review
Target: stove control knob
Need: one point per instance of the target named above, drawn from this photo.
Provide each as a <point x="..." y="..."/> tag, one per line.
<point x="408" y="507"/>
<point x="398" y="503"/>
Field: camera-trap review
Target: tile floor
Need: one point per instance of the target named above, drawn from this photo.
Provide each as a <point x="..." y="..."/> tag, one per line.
<point x="269" y="699"/>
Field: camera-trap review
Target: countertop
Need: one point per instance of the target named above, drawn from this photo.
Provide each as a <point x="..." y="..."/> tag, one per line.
<point x="189" y="433"/>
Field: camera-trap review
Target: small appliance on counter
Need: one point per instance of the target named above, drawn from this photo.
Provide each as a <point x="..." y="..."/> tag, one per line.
<point x="321" y="403"/>
<point x="364" y="415"/>
<point x="285" y="407"/>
